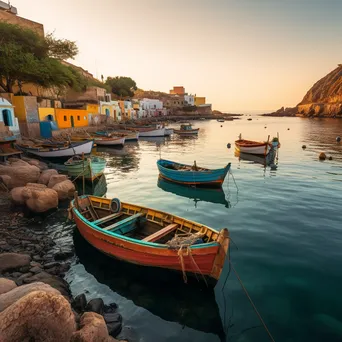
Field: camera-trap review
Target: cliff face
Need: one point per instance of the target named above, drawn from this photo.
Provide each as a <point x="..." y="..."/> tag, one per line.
<point x="325" y="97"/>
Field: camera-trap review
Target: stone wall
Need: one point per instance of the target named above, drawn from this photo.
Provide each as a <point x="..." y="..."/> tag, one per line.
<point x="16" y="20"/>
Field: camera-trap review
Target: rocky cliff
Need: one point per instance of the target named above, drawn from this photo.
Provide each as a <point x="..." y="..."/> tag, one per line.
<point x="325" y="97"/>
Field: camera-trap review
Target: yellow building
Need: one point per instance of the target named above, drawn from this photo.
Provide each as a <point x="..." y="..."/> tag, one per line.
<point x="46" y="114"/>
<point x="92" y="109"/>
<point x="67" y="118"/>
<point x="199" y="101"/>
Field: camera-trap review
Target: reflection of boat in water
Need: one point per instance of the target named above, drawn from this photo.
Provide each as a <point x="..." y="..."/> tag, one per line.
<point x="161" y="292"/>
<point x="97" y="188"/>
<point x="258" y="159"/>
<point x="197" y="194"/>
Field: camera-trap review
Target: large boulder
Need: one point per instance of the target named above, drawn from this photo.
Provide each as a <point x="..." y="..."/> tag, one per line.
<point x="12" y="261"/>
<point x="10" y="297"/>
<point x="46" y="175"/>
<point x="42" y="200"/>
<point x="21" y="194"/>
<point x="6" y="285"/>
<point x="65" y="189"/>
<point x="92" y="329"/>
<point x="55" y="179"/>
<point x="6" y="180"/>
<point x="20" y="174"/>
<point x="55" y="282"/>
<point x="39" y="316"/>
<point x="95" y="305"/>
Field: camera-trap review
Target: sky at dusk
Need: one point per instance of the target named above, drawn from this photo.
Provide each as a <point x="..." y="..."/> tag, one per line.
<point x="243" y="55"/>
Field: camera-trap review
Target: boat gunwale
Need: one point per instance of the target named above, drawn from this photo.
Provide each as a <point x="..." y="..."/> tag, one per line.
<point x="141" y="242"/>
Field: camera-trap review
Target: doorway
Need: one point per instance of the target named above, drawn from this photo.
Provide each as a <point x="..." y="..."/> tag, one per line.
<point x="6" y="114"/>
<point x="72" y="121"/>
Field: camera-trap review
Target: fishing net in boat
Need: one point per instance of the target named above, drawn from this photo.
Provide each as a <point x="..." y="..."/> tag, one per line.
<point x="184" y="240"/>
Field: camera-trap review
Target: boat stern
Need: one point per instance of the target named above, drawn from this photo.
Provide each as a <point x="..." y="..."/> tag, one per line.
<point x="223" y="240"/>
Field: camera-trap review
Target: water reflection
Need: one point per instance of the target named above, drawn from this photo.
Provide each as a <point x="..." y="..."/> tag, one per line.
<point x="258" y="159"/>
<point x="97" y="188"/>
<point x="197" y="194"/>
<point x="159" y="291"/>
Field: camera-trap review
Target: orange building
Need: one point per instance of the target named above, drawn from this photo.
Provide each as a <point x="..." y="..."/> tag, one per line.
<point x="178" y="90"/>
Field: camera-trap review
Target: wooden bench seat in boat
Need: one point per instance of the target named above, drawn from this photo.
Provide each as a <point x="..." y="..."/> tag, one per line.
<point x="126" y="220"/>
<point x="107" y="218"/>
<point x="161" y="233"/>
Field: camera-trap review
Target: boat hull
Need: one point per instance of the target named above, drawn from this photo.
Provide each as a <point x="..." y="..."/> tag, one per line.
<point x="110" y="141"/>
<point x="255" y="148"/>
<point x="84" y="147"/>
<point x="209" y="178"/>
<point x="168" y="131"/>
<point x="91" y="169"/>
<point x="152" y="133"/>
<point x="206" y="259"/>
<point x="186" y="132"/>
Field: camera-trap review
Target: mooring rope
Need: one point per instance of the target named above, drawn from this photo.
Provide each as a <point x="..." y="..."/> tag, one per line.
<point x="230" y="172"/>
<point x="250" y="300"/>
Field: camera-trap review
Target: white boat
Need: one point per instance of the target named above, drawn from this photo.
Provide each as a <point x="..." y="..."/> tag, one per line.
<point x="110" y="141"/>
<point x="151" y="132"/>
<point x="252" y="147"/>
<point x="168" y="131"/>
<point x="58" y="151"/>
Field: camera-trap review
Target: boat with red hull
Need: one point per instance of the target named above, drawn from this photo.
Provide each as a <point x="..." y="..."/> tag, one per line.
<point x="150" y="237"/>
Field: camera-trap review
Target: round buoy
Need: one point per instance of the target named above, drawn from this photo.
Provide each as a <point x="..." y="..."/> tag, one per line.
<point x="115" y="205"/>
<point x="304" y="147"/>
<point x="338" y="139"/>
<point x="221" y="125"/>
<point x="229" y="145"/>
<point x="330" y="158"/>
<point x="322" y="156"/>
<point x="288" y="129"/>
<point x="265" y="127"/>
<point x="273" y="167"/>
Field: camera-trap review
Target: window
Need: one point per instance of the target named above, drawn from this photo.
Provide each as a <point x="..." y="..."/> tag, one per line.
<point x="78" y="118"/>
<point x="7" y="117"/>
<point x="49" y="117"/>
<point x="65" y="118"/>
<point x="85" y="118"/>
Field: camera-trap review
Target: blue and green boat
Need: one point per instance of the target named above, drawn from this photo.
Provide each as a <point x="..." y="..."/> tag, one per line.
<point x="91" y="168"/>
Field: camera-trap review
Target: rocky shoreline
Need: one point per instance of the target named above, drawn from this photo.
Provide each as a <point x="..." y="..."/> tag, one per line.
<point x="33" y="263"/>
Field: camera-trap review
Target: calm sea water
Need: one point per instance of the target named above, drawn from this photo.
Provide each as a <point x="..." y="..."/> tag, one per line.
<point x="286" y="225"/>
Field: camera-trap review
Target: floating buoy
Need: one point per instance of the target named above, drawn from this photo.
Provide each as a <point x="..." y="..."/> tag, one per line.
<point x="273" y="167"/>
<point x="229" y="145"/>
<point x="221" y="125"/>
<point x="265" y="127"/>
<point x="304" y="147"/>
<point x="288" y="129"/>
<point x="338" y="139"/>
<point x="330" y="158"/>
<point x="322" y="156"/>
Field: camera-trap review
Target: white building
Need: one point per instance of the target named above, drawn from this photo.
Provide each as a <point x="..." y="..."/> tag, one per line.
<point x="149" y="104"/>
<point x="189" y="100"/>
<point x="7" y="118"/>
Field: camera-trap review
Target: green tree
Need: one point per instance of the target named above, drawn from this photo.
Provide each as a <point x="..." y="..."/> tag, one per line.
<point x="121" y="86"/>
<point x="26" y="57"/>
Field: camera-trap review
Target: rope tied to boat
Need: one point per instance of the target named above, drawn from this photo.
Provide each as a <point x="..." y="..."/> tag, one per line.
<point x="183" y="243"/>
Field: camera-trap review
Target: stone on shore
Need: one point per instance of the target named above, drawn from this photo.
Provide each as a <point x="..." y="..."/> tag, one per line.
<point x="96" y="305"/>
<point x="55" y="179"/>
<point x="92" y="329"/>
<point x="20" y="174"/>
<point x="10" y="297"/>
<point x="6" y="285"/>
<point x="56" y="282"/>
<point x="17" y="195"/>
<point x="42" y="200"/>
<point x="38" y="316"/>
<point x="12" y="261"/>
<point x="65" y="189"/>
<point x="46" y="175"/>
<point x="80" y="303"/>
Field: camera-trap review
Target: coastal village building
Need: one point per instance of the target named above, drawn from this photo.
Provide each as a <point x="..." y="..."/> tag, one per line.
<point x="189" y="100"/>
<point x="199" y="101"/>
<point x="177" y="91"/>
<point x="9" y="126"/>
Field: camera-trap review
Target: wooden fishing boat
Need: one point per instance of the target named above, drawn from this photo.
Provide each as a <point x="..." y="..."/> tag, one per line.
<point x="191" y="174"/>
<point x="186" y="129"/>
<point x="150" y="237"/>
<point x="128" y="135"/>
<point x="220" y="120"/>
<point x="91" y="168"/>
<point x="110" y="141"/>
<point x="68" y="150"/>
<point x="168" y="131"/>
<point x="253" y="147"/>
<point x="157" y="131"/>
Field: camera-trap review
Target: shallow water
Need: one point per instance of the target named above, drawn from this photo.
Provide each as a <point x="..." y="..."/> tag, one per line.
<point x="285" y="225"/>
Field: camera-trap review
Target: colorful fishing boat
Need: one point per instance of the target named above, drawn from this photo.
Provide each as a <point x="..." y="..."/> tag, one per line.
<point x="68" y="150"/>
<point x="191" y="174"/>
<point x="156" y="131"/>
<point x="186" y="129"/>
<point x="168" y="131"/>
<point x="150" y="237"/>
<point x="128" y="135"/>
<point x="110" y="141"/>
<point x="91" y="168"/>
<point x="253" y="147"/>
